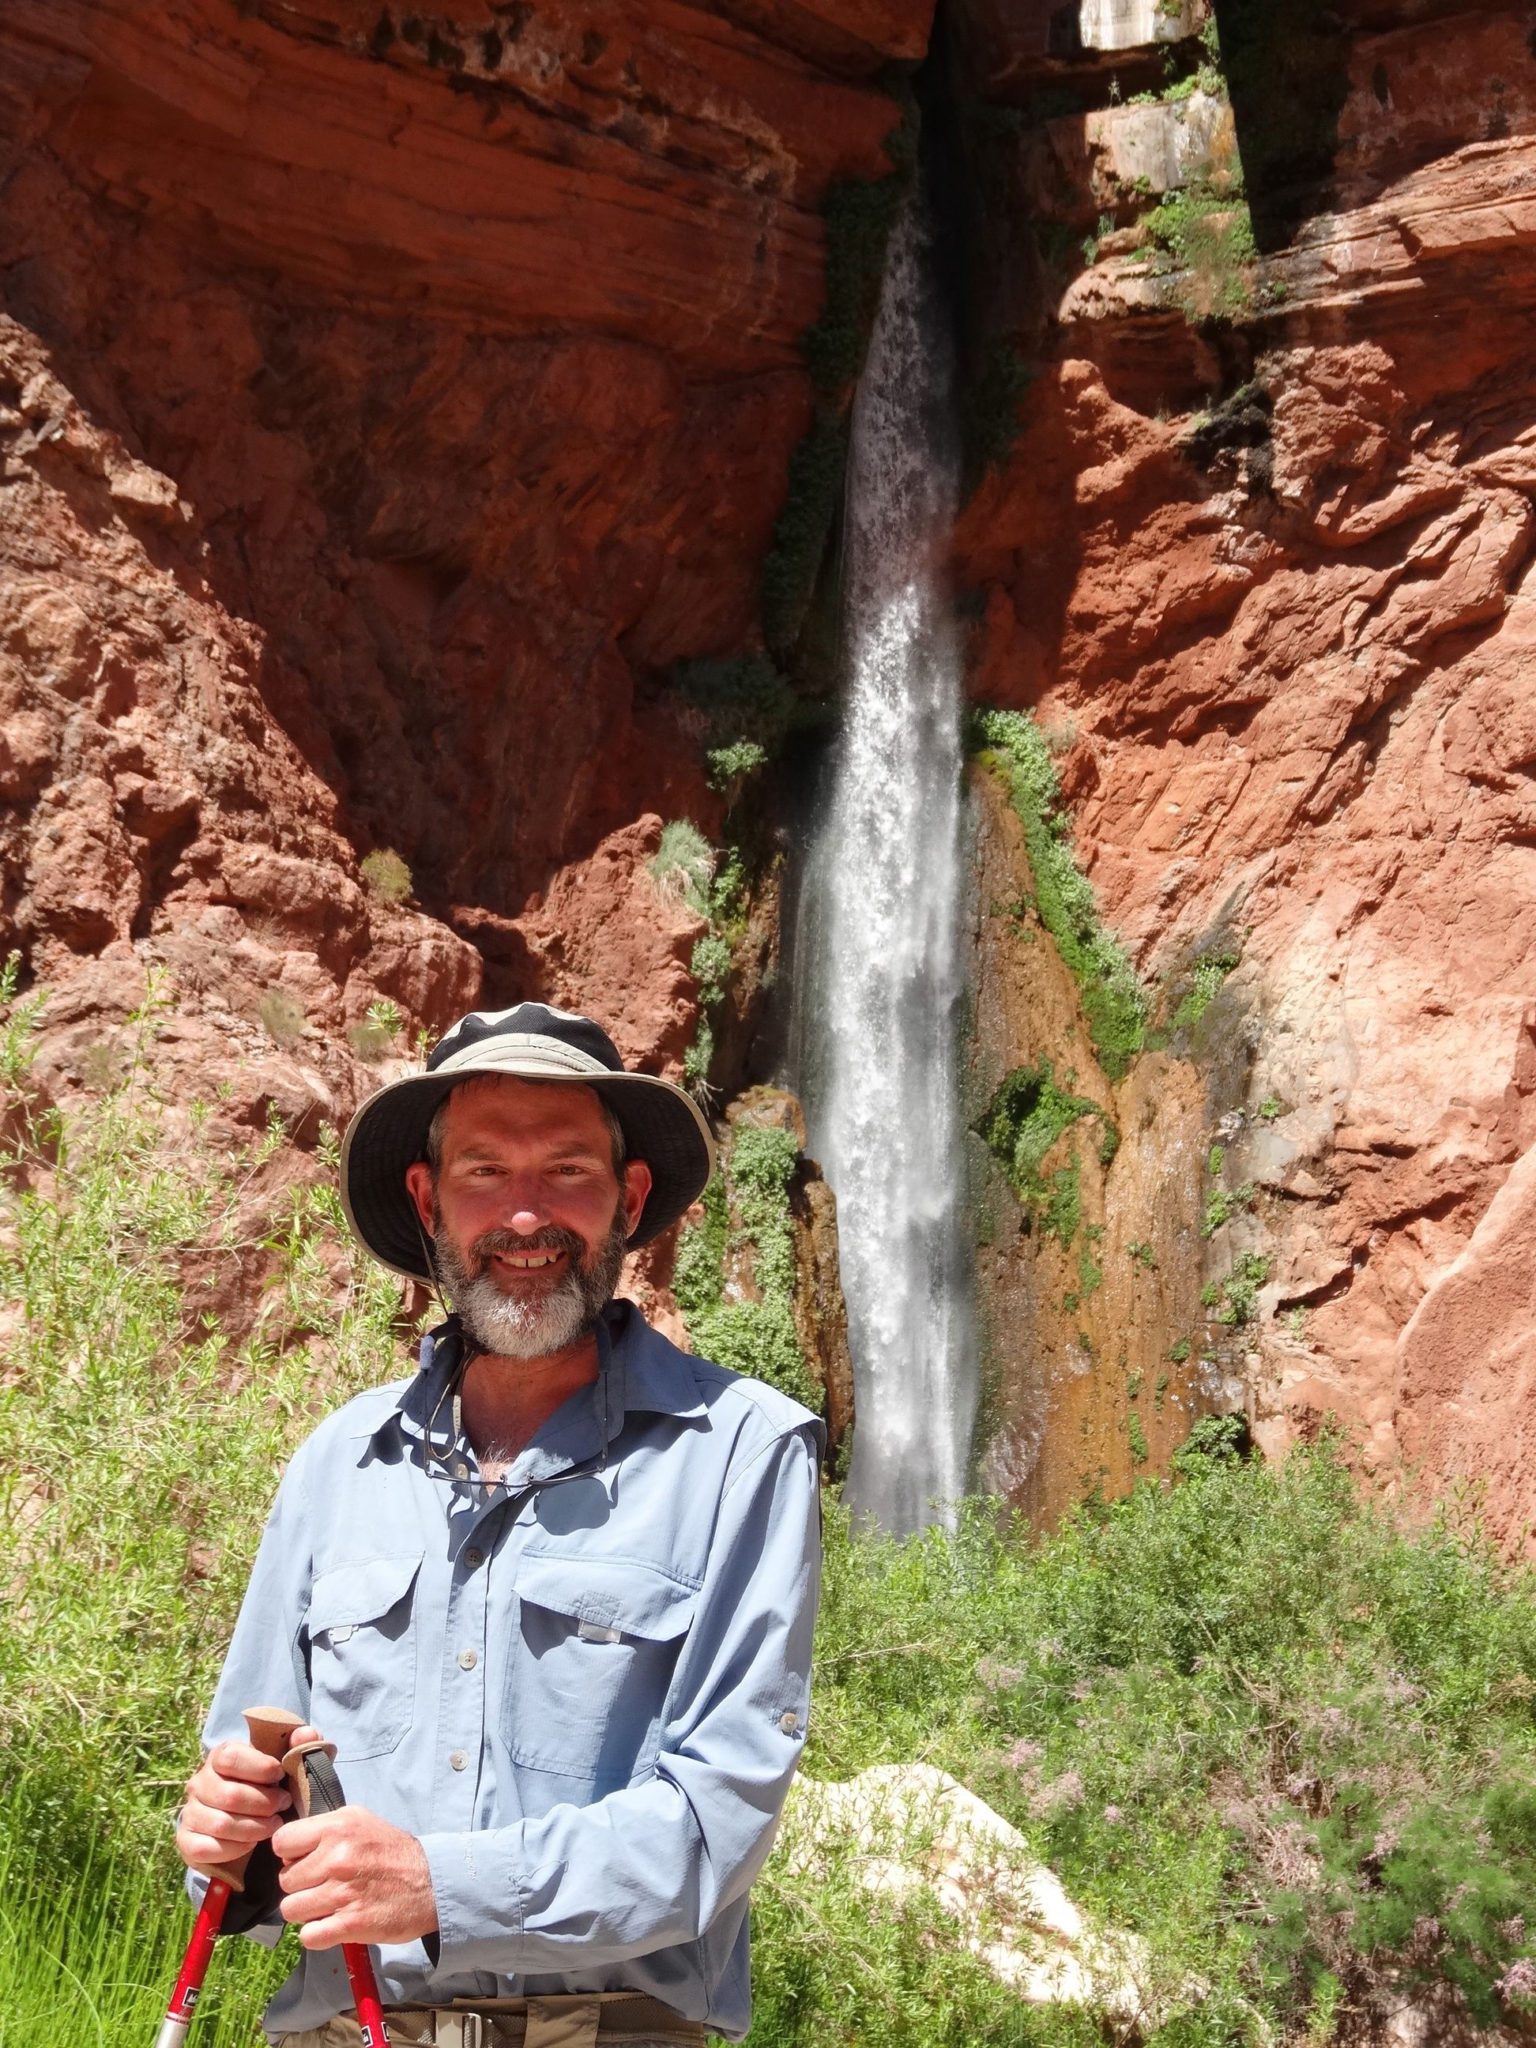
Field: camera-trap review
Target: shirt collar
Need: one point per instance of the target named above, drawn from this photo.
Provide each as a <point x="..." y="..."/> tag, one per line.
<point x="637" y="1369"/>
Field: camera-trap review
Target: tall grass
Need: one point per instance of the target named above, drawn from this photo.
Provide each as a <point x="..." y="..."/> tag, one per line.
<point x="1247" y="1714"/>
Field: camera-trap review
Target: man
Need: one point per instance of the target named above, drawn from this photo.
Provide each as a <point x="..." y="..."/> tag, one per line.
<point x="551" y="1599"/>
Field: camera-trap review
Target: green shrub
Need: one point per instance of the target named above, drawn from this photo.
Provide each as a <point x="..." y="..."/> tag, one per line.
<point x="1020" y="1126"/>
<point x="1205" y="979"/>
<point x="755" y="1337"/>
<point x="1234" y="1299"/>
<point x="372" y="1038"/>
<point x="729" y="767"/>
<point x="142" y="1444"/>
<point x="1113" y="1003"/>
<point x="1184" y="1699"/>
<point x="683" y="865"/>
<point x="1221" y="1203"/>
<point x="1209" y="237"/>
<point x="387" y="875"/>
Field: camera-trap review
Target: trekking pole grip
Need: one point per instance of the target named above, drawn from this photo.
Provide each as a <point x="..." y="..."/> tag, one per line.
<point x="271" y="1731"/>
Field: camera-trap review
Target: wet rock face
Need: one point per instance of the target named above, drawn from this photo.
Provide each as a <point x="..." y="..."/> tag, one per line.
<point x="1266" y="579"/>
<point x="386" y="402"/>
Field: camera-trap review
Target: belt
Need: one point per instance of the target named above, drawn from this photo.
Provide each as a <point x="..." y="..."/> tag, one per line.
<point x="582" y="2020"/>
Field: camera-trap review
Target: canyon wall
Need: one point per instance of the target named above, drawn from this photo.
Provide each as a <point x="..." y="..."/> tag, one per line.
<point x="389" y="403"/>
<point x="1258" y="559"/>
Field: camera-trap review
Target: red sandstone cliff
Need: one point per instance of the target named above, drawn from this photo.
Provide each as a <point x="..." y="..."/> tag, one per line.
<point x="388" y="401"/>
<point x="1287" y="639"/>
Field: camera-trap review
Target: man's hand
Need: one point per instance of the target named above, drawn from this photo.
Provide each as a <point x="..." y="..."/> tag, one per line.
<point x="349" y="1876"/>
<point x="235" y="1798"/>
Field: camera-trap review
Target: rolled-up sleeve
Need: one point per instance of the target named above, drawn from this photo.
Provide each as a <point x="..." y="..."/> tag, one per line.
<point x="654" y="1863"/>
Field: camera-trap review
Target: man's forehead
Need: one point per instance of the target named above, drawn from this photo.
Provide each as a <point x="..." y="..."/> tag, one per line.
<point x="500" y="1102"/>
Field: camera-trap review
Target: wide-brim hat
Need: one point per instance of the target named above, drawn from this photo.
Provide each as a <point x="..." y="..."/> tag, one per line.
<point x="662" y="1124"/>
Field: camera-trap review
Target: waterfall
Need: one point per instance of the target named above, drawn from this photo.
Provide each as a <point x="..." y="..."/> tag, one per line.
<point x="880" y="923"/>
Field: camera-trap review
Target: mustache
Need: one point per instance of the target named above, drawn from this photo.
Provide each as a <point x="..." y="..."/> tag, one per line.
<point x="550" y="1239"/>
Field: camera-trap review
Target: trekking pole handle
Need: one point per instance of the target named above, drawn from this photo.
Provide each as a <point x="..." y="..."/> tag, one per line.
<point x="271" y="1731"/>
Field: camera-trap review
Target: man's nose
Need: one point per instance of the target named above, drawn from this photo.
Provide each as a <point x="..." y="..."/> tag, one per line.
<point x="523" y="1208"/>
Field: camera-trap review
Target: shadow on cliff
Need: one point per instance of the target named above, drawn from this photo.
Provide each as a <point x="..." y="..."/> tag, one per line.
<point x="1287" y="71"/>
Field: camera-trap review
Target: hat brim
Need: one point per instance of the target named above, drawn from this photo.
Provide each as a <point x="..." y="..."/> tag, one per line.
<point x="662" y="1124"/>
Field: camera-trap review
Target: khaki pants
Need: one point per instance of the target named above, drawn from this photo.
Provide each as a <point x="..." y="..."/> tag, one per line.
<point x="570" y="2022"/>
<point x="344" y="2032"/>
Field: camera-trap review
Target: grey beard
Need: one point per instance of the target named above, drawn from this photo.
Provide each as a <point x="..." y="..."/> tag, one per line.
<point x="534" y="1327"/>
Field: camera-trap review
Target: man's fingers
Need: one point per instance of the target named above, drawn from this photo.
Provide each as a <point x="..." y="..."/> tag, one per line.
<point x="231" y="1828"/>
<point x="229" y="1795"/>
<point x="296" y="1839"/>
<point x="244" y="1761"/>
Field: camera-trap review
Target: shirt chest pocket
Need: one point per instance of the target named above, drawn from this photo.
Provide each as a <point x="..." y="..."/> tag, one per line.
<point x="590" y="1664"/>
<point x="362" y="1650"/>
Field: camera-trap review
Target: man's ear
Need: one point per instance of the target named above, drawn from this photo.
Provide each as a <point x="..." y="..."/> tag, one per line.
<point x="418" y="1181"/>
<point x="637" y="1186"/>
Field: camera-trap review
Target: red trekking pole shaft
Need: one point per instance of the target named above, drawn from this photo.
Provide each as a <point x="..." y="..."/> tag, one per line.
<point x="271" y="1730"/>
<point x="365" y="1994"/>
<point x="194" y="1965"/>
<point x="317" y="1789"/>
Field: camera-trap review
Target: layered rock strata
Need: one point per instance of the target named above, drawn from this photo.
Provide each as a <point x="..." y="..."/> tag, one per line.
<point x="387" y="401"/>
<point x="1259" y="557"/>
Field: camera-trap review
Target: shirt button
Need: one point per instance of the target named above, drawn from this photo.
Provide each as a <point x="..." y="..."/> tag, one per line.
<point x="467" y="1660"/>
<point x="458" y="1759"/>
<point x="789" y="1722"/>
<point x="473" y="1557"/>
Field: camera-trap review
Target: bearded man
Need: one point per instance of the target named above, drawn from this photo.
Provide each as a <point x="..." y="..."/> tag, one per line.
<point x="551" y="1599"/>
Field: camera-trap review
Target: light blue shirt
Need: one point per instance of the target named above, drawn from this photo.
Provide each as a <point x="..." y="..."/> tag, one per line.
<point x="584" y="1688"/>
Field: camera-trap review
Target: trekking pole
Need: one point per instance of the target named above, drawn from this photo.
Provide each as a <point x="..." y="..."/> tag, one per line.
<point x="317" y="1789"/>
<point x="271" y="1731"/>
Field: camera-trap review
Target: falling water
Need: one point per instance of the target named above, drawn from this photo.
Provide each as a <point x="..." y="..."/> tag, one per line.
<point x="881" y="923"/>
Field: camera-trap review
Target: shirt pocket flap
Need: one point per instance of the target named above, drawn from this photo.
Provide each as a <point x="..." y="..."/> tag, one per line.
<point x="350" y="1594"/>
<point x="609" y="1597"/>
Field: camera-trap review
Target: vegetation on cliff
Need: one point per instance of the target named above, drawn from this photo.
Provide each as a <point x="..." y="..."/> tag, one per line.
<point x="1013" y="746"/>
<point x="746" y="1223"/>
<point x="1029" y="1112"/>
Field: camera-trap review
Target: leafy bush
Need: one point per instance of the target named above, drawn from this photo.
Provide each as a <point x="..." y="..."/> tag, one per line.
<point x="372" y="1038"/>
<point x="1234" y="1299"/>
<point x="387" y="875"/>
<point x="729" y="767"/>
<point x="1205" y="979"/>
<point x="1020" y="1126"/>
<point x="747" y="1211"/>
<point x="1113" y="1004"/>
<point x="1209" y="237"/>
<point x="683" y="865"/>
<point x="1246" y="1714"/>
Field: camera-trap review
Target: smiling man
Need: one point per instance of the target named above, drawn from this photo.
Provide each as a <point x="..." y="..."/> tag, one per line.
<point x="551" y="1599"/>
